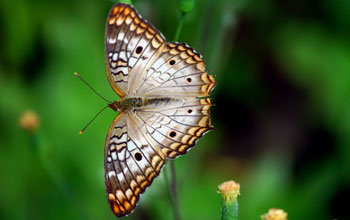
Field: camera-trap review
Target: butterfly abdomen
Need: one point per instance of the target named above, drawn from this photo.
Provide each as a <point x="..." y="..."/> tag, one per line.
<point x="157" y="101"/>
<point x="136" y="103"/>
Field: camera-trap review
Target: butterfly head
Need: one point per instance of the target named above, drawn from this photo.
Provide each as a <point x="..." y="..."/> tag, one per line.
<point x="116" y="106"/>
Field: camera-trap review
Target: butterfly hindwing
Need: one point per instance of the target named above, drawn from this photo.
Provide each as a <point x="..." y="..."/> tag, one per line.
<point x="177" y="127"/>
<point x="131" y="164"/>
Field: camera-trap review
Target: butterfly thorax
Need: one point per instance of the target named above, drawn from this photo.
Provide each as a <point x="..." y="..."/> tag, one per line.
<point x="135" y="103"/>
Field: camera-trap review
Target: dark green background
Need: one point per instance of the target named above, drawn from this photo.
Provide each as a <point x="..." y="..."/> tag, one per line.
<point x="282" y="113"/>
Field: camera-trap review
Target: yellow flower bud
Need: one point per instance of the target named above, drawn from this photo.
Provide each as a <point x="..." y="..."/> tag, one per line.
<point x="229" y="190"/>
<point x="275" y="214"/>
<point x="29" y="121"/>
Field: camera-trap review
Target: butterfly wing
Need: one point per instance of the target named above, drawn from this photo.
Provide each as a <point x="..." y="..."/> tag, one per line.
<point x="132" y="45"/>
<point x="132" y="161"/>
<point x="178" y="71"/>
<point x="176" y="127"/>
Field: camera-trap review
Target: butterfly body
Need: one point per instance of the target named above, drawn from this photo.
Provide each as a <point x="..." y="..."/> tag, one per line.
<point x="135" y="103"/>
<point x="163" y="110"/>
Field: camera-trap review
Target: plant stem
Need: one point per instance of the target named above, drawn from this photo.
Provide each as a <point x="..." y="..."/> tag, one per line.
<point x="172" y="189"/>
<point x="229" y="210"/>
<point x="179" y="26"/>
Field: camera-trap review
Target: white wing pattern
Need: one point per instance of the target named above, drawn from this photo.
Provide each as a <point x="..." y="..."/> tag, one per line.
<point x="163" y="107"/>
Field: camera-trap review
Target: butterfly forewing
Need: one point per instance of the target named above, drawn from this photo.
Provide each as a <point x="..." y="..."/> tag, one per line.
<point x="168" y="79"/>
<point x="132" y="44"/>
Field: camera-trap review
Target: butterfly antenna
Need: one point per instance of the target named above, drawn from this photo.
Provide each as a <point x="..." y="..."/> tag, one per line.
<point x="91" y="87"/>
<point x="82" y="130"/>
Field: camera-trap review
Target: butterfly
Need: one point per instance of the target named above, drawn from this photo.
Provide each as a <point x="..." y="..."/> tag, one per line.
<point x="163" y="109"/>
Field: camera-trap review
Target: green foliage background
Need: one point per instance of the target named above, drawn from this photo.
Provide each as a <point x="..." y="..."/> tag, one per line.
<point x="282" y="113"/>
